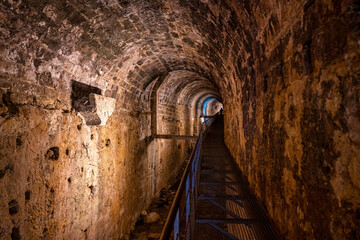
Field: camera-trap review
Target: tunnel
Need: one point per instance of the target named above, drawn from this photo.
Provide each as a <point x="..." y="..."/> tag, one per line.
<point x="102" y="102"/>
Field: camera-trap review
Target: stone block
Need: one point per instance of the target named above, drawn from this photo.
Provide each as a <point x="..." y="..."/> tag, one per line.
<point x="98" y="110"/>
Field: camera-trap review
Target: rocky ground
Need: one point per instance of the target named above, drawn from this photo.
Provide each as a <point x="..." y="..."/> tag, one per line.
<point x="150" y="225"/>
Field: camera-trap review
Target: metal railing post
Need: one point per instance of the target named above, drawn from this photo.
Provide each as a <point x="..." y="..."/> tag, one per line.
<point x="188" y="186"/>
<point x="177" y="225"/>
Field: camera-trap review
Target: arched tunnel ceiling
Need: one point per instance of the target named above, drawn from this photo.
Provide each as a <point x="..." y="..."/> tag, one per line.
<point x="198" y="100"/>
<point x="121" y="46"/>
<point x="181" y="85"/>
<point x="194" y="90"/>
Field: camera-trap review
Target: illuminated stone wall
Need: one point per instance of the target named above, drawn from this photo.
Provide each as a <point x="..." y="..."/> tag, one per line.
<point x="293" y="125"/>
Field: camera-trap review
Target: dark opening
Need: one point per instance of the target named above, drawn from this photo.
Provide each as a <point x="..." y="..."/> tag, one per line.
<point x="52" y="153"/>
<point x="45" y="233"/>
<point x="13" y="207"/>
<point x="11" y="106"/>
<point x="15" y="234"/>
<point x="18" y="141"/>
<point x="27" y="195"/>
<point x="80" y="95"/>
<point x="266" y="83"/>
<point x="92" y="189"/>
<point x="9" y="168"/>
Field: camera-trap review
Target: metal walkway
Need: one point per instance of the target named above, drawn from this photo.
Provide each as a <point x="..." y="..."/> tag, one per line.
<point x="213" y="200"/>
<point x="225" y="207"/>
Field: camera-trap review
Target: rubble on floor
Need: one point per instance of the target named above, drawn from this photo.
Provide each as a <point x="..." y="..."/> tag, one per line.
<point x="151" y="221"/>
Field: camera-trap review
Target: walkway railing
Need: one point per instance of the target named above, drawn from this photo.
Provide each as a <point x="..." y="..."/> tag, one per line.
<point x="181" y="218"/>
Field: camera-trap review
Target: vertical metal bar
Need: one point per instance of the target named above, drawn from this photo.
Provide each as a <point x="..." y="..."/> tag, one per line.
<point x="177" y="225"/>
<point x="189" y="181"/>
<point x="187" y="195"/>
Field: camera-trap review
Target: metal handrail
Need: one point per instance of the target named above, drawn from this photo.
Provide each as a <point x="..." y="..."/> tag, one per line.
<point x="189" y="182"/>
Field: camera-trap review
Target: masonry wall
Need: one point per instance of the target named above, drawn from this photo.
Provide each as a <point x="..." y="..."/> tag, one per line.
<point x="172" y="119"/>
<point x="295" y="130"/>
<point x="214" y="107"/>
<point x="62" y="178"/>
<point x="59" y="177"/>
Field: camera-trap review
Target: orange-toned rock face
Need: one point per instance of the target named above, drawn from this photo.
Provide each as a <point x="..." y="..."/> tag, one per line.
<point x="286" y="72"/>
<point x="293" y="124"/>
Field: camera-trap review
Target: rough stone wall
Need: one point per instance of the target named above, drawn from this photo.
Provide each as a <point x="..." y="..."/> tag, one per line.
<point x="174" y="120"/>
<point x="168" y="121"/>
<point x="295" y="127"/>
<point x="213" y="107"/>
<point x="60" y="178"/>
<point x="67" y="179"/>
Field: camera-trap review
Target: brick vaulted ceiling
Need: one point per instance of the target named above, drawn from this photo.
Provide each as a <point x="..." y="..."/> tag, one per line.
<point x="121" y="46"/>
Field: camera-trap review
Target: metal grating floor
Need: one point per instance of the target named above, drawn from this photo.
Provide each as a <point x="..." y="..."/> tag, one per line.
<point x="226" y="209"/>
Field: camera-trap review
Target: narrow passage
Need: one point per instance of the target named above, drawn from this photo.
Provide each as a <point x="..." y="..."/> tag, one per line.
<point x="226" y="209"/>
